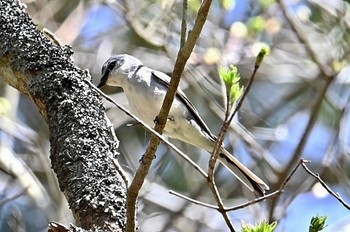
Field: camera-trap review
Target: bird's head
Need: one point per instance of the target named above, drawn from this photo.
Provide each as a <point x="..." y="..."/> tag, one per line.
<point x="117" y="68"/>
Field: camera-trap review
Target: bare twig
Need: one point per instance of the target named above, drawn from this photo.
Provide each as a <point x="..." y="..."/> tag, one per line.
<point x="184" y="23"/>
<point x="298" y="151"/>
<point x="285" y="181"/>
<point x="270" y="195"/>
<point x="275" y="193"/>
<point x="150" y="129"/>
<point x="179" y="213"/>
<point x="329" y="190"/>
<point x="246" y="90"/>
<point x="215" y="154"/>
<point x="213" y="159"/>
<point x="212" y="162"/>
<point x="328" y="73"/>
<point x="182" y="57"/>
<point x="193" y="200"/>
<point x="121" y="173"/>
<point x="202" y="185"/>
<point x="233" y="208"/>
<point x="256" y="200"/>
<point x="52" y="37"/>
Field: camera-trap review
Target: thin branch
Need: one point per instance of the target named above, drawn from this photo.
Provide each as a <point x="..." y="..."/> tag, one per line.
<point x="270" y="195"/>
<point x="329" y="190"/>
<point x="329" y="74"/>
<point x="299" y="150"/>
<point x="150" y="129"/>
<point x="212" y="163"/>
<point x="275" y="193"/>
<point x="256" y="200"/>
<point x="179" y="213"/>
<point x="193" y="200"/>
<point x="284" y="183"/>
<point x="246" y="90"/>
<point x="182" y="57"/>
<point x="227" y="209"/>
<point x="184" y="23"/>
<point x="218" y="145"/>
<point x="121" y="173"/>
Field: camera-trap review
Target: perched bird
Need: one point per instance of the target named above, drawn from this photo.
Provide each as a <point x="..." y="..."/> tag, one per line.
<point x="145" y="90"/>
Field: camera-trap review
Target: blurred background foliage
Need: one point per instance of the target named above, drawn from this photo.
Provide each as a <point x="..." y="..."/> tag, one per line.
<point x="298" y="107"/>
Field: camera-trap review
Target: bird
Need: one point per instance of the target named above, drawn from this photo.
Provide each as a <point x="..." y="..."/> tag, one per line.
<point x="145" y="90"/>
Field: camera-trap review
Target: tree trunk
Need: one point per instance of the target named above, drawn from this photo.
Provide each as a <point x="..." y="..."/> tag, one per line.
<point x="83" y="146"/>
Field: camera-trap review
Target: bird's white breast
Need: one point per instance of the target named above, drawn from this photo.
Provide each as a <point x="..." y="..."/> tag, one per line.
<point x="145" y="100"/>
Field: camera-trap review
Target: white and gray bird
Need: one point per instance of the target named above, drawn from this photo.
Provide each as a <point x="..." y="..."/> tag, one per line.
<point x="145" y="90"/>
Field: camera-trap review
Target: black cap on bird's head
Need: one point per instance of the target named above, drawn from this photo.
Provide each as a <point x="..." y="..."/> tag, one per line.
<point x="121" y="64"/>
<point x="112" y="63"/>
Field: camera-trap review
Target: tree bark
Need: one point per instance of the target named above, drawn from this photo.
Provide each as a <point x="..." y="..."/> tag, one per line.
<point x="83" y="146"/>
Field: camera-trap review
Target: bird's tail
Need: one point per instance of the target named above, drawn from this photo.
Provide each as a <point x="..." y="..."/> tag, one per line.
<point x="247" y="177"/>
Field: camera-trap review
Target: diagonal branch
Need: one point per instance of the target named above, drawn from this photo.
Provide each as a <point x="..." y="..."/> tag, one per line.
<point x="233" y="208"/>
<point x="182" y="57"/>
<point x="329" y="190"/>
<point x="299" y="150"/>
<point x="150" y="129"/>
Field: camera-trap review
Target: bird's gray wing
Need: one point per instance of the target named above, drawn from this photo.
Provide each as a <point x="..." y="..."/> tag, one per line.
<point x="164" y="80"/>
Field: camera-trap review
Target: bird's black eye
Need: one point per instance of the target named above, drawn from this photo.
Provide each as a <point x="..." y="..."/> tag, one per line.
<point x="106" y="68"/>
<point x="114" y="63"/>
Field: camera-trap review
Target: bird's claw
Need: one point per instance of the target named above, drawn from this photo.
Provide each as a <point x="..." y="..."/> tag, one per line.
<point x="142" y="160"/>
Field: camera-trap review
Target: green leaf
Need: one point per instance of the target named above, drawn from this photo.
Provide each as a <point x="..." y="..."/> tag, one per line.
<point x="263" y="226"/>
<point x="317" y="223"/>
<point x="236" y="92"/>
<point x="231" y="79"/>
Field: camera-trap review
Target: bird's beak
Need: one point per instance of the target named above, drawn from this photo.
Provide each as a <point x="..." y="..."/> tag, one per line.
<point x="103" y="80"/>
